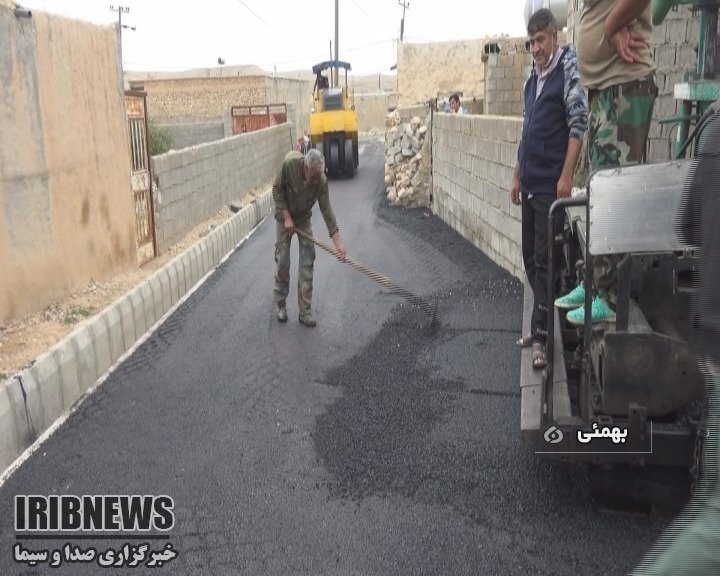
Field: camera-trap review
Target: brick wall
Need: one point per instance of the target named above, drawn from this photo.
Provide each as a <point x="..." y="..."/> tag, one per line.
<point x="472" y="168"/>
<point x="426" y="71"/>
<point x="191" y="185"/>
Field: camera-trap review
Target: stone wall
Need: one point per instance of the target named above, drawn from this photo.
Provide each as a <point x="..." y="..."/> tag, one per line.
<point x="192" y="185"/>
<point x="200" y="97"/>
<point x="407" y="161"/>
<point x="427" y="71"/>
<point x="473" y="158"/>
<point x="66" y="205"/>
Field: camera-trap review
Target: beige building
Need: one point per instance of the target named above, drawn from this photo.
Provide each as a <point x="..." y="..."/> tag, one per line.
<point x="195" y="105"/>
<point x="432" y="70"/>
<point x="66" y="207"/>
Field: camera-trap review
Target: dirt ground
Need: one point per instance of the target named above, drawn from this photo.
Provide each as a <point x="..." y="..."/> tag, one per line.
<point x="25" y="339"/>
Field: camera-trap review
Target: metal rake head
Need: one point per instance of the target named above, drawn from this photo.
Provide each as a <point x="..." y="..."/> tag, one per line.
<point x="434" y="322"/>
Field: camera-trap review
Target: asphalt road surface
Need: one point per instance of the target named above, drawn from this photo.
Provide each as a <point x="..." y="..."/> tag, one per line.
<point x="367" y="445"/>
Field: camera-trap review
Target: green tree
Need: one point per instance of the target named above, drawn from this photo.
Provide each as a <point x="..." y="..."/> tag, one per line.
<point x="161" y="139"/>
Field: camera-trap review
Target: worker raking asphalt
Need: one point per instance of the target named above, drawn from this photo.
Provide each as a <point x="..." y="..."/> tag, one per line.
<point x="429" y="309"/>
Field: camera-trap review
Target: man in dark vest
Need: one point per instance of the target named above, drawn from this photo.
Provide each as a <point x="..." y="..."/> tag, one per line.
<point x="554" y="124"/>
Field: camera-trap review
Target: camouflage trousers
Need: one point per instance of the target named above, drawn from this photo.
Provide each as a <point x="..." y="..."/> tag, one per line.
<point x="689" y="546"/>
<point x="306" y="265"/>
<point x="618" y="128"/>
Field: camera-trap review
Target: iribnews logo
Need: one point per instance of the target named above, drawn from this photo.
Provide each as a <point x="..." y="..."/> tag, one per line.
<point x="68" y="513"/>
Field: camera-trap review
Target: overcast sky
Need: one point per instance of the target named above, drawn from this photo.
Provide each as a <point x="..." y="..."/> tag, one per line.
<point x="289" y="35"/>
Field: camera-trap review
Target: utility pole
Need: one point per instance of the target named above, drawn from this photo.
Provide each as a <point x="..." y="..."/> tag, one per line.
<point x="337" y="28"/>
<point x="120" y="10"/>
<point x="402" y="22"/>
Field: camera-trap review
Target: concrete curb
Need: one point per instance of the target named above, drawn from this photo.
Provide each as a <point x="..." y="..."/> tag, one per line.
<point x="39" y="395"/>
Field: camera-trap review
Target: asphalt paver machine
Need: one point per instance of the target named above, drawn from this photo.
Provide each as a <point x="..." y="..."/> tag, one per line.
<point x="626" y="399"/>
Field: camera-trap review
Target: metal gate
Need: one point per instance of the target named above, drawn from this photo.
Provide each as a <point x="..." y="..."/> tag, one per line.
<point x="251" y="118"/>
<point x="135" y="106"/>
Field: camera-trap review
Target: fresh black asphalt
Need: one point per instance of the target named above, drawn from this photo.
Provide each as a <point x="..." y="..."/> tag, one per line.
<point x="369" y="445"/>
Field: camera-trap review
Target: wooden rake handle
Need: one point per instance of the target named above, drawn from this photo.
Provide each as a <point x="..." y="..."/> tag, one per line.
<point x="384" y="280"/>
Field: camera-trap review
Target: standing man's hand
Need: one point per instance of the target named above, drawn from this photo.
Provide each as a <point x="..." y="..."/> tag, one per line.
<point x="289" y="223"/>
<point x="515" y="192"/>
<point x="339" y="248"/>
<point x="564" y="187"/>
<point x="626" y="41"/>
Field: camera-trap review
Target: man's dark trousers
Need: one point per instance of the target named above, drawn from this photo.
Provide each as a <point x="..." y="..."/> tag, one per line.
<point x="535" y="212"/>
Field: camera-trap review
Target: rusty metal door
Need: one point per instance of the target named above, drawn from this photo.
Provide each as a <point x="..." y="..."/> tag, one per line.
<point x="135" y="106"/>
<point x="252" y="118"/>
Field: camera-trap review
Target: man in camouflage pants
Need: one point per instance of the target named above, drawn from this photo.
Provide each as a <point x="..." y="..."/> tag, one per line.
<point x="300" y="183"/>
<point x="616" y="67"/>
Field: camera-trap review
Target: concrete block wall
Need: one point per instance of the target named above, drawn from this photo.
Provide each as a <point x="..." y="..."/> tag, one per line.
<point x="193" y="184"/>
<point x="472" y="168"/>
<point x="407" y="113"/>
<point x="508" y="64"/>
<point x="35" y="398"/>
<point x="573" y="13"/>
<point x="189" y="132"/>
<point x="227" y="123"/>
<point x="673" y="44"/>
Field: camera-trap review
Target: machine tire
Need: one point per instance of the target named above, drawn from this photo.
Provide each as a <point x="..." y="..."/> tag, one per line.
<point x="334" y="158"/>
<point x="349" y="159"/>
